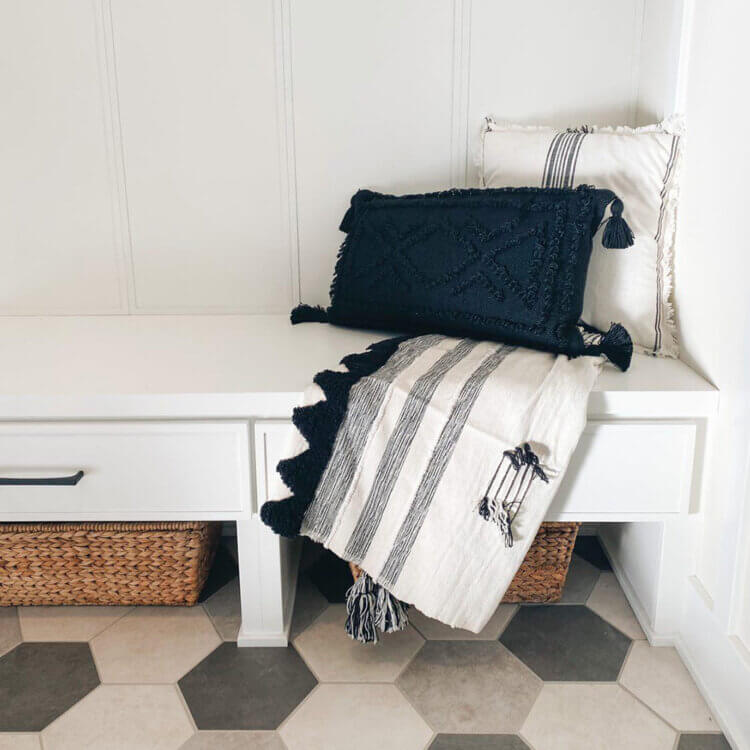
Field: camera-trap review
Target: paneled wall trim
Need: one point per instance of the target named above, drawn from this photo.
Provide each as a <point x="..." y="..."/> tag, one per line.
<point x="195" y="156"/>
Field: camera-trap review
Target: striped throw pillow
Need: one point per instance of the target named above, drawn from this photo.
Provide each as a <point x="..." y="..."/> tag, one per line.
<point x="632" y="286"/>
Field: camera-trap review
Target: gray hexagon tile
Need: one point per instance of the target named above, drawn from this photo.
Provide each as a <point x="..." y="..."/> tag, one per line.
<point x="154" y="644"/>
<point x="703" y="742"/>
<point x="595" y="717"/>
<point x="590" y="549"/>
<point x="20" y="742"/>
<point x="471" y="687"/>
<point x="366" y="717"/>
<point x="582" y="576"/>
<point x="659" y="678"/>
<point x="434" y="630"/>
<point x="335" y="657"/>
<point x="234" y="741"/>
<point x="566" y="643"/>
<point x="608" y="601"/>
<point x="146" y="717"/>
<point x="10" y="630"/>
<point x="478" y="742"/>
<point x="223" y="608"/>
<point x="67" y="623"/>
<point x="40" y="681"/>
<point x="246" y="688"/>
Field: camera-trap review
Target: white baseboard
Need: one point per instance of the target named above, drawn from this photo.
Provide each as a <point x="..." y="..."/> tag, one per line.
<point x="258" y="640"/>
<point x="654" y="638"/>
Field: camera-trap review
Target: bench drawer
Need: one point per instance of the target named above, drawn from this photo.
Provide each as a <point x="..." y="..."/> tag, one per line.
<point x="628" y="468"/>
<point x="621" y="470"/>
<point x="144" y="470"/>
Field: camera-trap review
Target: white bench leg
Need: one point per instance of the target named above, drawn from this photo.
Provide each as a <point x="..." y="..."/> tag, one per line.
<point x="268" y="582"/>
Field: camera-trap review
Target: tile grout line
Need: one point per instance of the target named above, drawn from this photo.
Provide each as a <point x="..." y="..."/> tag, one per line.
<point x="187" y="710"/>
<point x="289" y="716"/>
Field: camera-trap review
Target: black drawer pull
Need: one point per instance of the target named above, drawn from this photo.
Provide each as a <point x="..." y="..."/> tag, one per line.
<point x="71" y="480"/>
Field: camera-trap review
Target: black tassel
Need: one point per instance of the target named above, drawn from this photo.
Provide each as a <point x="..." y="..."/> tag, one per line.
<point x="308" y="314"/>
<point x="617" y="234"/>
<point x="616" y="345"/>
<point x="361" y="608"/>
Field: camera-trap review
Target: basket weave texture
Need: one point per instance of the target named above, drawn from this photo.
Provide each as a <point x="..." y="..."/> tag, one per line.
<point x="542" y="574"/>
<point x="105" y="563"/>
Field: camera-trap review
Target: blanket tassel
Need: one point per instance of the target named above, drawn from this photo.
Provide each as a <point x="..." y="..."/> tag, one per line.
<point x="361" y="605"/>
<point x="390" y="613"/>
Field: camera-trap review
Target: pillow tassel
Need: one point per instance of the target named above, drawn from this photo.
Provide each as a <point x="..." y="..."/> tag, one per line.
<point x="309" y="314"/>
<point x="617" y="234"/>
<point x="616" y="345"/>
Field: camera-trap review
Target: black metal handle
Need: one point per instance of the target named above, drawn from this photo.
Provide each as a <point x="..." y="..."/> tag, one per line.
<point x="69" y="481"/>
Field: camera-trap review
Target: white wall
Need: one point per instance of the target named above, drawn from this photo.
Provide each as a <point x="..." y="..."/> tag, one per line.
<point x="713" y="308"/>
<point x="197" y="155"/>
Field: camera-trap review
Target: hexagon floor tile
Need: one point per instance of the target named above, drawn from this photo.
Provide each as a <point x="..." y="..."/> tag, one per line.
<point x="146" y="717"/>
<point x="478" y="742"/>
<point x="470" y="687"/>
<point x="580" y="581"/>
<point x="335" y="657"/>
<point x="566" y="643"/>
<point x="246" y="688"/>
<point x="658" y="677"/>
<point x="608" y="601"/>
<point x="234" y="741"/>
<point x="154" y="644"/>
<point x="595" y="717"/>
<point x="590" y="549"/>
<point x="10" y="630"/>
<point x="40" y="681"/>
<point x="223" y="607"/>
<point x="67" y="623"/>
<point x="308" y="604"/>
<point x="365" y="717"/>
<point x="434" y="630"/>
<point x="20" y="742"/>
<point x="703" y="742"/>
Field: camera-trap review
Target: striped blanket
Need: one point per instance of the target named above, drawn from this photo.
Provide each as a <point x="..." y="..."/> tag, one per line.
<point x="430" y="463"/>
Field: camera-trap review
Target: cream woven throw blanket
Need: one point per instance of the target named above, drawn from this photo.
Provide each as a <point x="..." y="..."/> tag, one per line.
<point x="440" y="466"/>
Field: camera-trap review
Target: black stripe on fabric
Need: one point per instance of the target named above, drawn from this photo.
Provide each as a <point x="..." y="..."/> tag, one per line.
<point x="366" y="399"/>
<point x="560" y="181"/>
<point x="551" y="159"/>
<point x="546" y="162"/>
<point x="573" y="160"/>
<point x="397" y="448"/>
<point x="441" y="454"/>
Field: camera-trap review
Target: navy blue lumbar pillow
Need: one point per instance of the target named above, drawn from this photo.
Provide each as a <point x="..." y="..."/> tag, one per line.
<point x="505" y="264"/>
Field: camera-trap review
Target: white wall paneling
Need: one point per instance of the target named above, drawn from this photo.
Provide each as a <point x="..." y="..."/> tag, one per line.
<point x="560" y="64"/>
<point x="204" y="155"/>
<point x="59" y="232"/>
<point x="373" y="96"/>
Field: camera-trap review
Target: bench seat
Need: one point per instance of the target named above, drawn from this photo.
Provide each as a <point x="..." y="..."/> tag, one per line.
<point x="185" y="417"/>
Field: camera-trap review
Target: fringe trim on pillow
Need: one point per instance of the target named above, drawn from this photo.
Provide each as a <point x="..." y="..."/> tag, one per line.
<point x="319" y="423"/>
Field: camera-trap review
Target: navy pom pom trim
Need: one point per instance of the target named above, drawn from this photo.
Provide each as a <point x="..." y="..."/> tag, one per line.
<point x="319" y="423"/>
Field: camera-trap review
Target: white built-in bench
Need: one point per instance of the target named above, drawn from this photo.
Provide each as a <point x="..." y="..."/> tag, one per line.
<point x="185" y="417"/>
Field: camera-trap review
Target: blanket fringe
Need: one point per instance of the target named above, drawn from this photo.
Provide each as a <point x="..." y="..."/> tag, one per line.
<point x="318" y="424"/>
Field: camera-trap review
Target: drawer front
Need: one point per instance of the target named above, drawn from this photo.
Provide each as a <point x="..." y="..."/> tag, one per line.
<point x="130" y="469"/>
<point x="622" y="468"/>
<point x="619" y="469"/>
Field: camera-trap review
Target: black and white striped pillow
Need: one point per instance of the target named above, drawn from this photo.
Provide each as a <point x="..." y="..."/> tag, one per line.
<point x="632" y="286"/>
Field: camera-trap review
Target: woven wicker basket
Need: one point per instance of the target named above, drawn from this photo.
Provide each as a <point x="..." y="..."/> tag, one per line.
<point x="105" y="563"/>
<point x="542" y="574"/>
